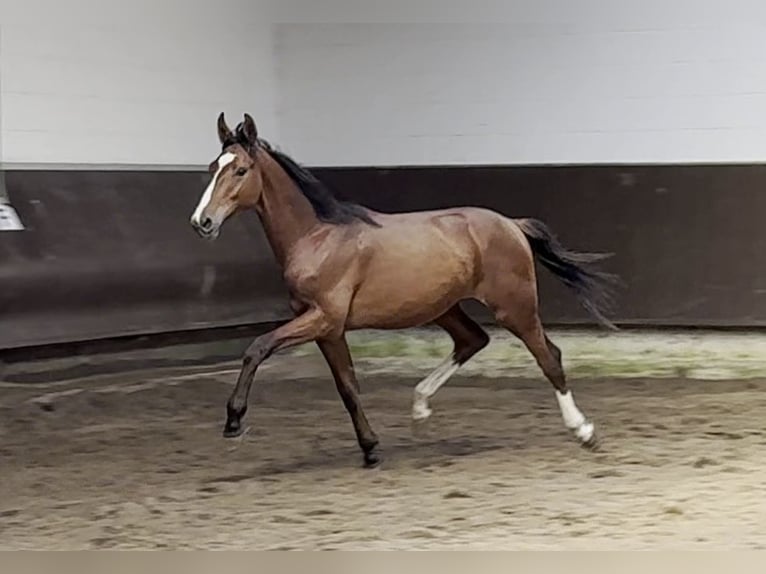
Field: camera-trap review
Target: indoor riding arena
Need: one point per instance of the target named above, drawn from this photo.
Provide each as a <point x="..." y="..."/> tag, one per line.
<point x="537" y="233"/>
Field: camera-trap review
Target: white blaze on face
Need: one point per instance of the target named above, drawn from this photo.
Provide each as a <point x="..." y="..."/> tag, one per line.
<point x="223" y="161"/>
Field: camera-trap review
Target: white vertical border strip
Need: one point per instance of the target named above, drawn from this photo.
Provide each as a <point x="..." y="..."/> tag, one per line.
<point x="3" y="191"/>
<point x="9" y="219"/>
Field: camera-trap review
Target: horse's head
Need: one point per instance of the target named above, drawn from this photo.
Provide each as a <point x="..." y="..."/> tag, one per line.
<point x="236" y="181"/>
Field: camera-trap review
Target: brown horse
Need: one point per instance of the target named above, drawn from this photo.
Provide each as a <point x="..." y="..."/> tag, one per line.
<point x="347" y="267"/>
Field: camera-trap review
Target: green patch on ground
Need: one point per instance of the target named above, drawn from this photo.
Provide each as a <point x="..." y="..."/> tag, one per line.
<point x="586" y="354"/>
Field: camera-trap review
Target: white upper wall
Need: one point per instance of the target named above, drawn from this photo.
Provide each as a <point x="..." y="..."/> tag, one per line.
<point x="138" y="82"/>
<point x="550" y="82"/>
<point x="141" y="82"/>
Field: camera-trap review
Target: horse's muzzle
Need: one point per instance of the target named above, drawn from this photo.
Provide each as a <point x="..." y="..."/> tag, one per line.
<point x="206" y="228"/>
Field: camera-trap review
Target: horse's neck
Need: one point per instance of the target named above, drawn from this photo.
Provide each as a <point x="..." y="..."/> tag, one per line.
<point x="285" y="212"/>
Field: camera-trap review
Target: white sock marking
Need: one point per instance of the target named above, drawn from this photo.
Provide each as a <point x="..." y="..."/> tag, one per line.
<point x="223" y="161"/>
<point x="428" y="387"/>
<point x="573" y="417"/>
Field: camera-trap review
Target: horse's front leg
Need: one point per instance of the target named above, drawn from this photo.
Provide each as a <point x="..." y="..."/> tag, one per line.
<point x="335" y="351"/>
<point x="310" y="326"/>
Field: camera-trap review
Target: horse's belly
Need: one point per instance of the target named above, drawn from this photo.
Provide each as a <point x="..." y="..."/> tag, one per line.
<point x="407" y="295"/>
<point x="399" y="315"/>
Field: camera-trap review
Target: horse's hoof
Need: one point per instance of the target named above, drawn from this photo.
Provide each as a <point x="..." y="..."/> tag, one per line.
<point x="420" y="409"/>
<point x="373" y="458"/>
<point x="421" y="427"/>
<point x="592" y="444"/>
<point x="232" y="429"/>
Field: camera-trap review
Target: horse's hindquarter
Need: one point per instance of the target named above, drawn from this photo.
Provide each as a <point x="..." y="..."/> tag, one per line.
<point x="414" y="268"/>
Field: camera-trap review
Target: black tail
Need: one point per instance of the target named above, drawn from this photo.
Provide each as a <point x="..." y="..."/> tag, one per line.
<point x="576" y="270"/>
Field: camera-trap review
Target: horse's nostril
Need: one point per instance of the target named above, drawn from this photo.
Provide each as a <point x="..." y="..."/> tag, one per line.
<point x="207" y="223"/>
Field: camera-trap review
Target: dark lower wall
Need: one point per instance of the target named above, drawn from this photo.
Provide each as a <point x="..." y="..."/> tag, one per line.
<point x="110" y="253"/>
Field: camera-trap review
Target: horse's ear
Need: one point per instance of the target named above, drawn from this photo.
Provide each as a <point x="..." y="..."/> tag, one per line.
<point x="224" y="133"/>
<point x="249" y="132"/>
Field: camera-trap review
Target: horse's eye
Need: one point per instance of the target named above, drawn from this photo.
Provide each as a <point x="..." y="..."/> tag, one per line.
<point x="241" y="171"/>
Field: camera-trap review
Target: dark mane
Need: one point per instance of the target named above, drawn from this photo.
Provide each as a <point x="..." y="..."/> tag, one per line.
<point x="327" y="207"/>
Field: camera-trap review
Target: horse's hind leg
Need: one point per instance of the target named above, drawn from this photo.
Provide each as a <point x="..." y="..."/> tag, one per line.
<point x="523" y="320"/>
<point x="469" y="338"/>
